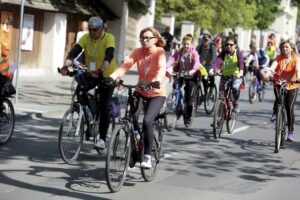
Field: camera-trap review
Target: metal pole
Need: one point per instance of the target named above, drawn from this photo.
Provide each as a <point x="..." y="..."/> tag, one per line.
<point x="19" y="50"/>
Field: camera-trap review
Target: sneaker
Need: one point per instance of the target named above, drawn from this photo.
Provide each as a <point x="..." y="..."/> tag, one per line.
<point x="273" y="118"/>
<point x="146" y="162"/>
<point x="100" y="144"/>
<point x="290" y="136"/>
<point x="236" y="108"/>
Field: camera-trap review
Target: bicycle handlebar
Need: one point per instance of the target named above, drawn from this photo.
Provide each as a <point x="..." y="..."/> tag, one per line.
<point x="182" y="74"/>
<point x="141" y="86"/>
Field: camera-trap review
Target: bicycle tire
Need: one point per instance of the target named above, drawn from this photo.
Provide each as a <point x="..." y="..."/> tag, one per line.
<point x="252" y="91"/>
<point x="156" y="152"/>
<point x="218" y="119"/>
<point x="171" y="106"/>
<point x="7" y="122"/>
<point x="117" y="158"/>
<point x="210" y="100"/>
<point x="69" y="143"/>
<point x="230" y="123"/>
<point x="278" y="128"/>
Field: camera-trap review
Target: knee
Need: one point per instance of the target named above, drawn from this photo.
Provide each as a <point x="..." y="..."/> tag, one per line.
<point x="147" y="122"/>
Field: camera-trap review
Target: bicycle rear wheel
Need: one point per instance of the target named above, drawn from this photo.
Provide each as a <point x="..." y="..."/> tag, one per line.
<point x="71" y="133"/>
<point x="218" y="119"/>
<point x="230" y="123"/>
<point x="211" y="99"/>
<point x="156" y="153"/>
<point x="7" y="121"/>
<point x="279" y="128"/>
<point x="117" y="158"/>
<point x="252" y="91"/>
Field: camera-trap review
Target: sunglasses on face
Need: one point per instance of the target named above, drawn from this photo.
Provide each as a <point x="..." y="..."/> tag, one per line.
<point x="230" y="44"/>
<point x="93" y="29"/>
<point x="147" y="38"/>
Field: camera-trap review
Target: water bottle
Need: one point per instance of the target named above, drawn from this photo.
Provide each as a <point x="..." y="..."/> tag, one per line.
<point x="137" y="138"/>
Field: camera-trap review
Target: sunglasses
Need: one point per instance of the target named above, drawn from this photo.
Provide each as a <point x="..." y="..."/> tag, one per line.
<point x="147" y="38"/>
<point x="93" y="29"/>
<point x="230" y="44"/>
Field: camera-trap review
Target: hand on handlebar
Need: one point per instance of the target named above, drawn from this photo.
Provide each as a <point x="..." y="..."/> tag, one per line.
<point x="96" y="73"/>
<point x="64" y="70"/>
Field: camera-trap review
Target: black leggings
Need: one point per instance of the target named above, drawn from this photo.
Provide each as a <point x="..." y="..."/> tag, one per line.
<point x="290" y="97"/>
<point x="151" y="107"/>
<point x="103" y="105"/>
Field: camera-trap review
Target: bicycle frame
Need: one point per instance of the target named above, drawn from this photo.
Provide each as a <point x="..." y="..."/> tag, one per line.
<point x="225" y="96"/>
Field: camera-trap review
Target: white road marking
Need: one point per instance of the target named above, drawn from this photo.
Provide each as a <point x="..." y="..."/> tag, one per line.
<point x="239" y="129"/>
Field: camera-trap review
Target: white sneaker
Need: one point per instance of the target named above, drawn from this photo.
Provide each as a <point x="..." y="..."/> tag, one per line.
<point x="146" y="162"/>
<point x="100" y="144"/>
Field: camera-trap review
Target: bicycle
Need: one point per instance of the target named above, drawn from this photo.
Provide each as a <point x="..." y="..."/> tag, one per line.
<point x="81" y="119"/>
<point x="224" y="109"/>
<point x="176" y="99"/>
<point x="125" y="150"/>
<point x="281" y="118"/>
<point x="209" y="99"/>
<point x="7" y="114"/>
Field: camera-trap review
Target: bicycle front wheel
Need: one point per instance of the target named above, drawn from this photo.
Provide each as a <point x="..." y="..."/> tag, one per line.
<point x="7" y="122"/>
<point x="71" y="133"/>
<point x="211" y="99"/>
<point x="218" y="119"/>
<point x="279" y="128"/>
<point x="230" y="123"/>
<point x="156" y="153"/>
<point x="117" y="158"/>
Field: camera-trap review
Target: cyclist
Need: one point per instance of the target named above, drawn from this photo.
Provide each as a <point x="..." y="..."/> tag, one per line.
<point x="151" y="66"/>
<point x="286" y="67"/>
<point x="231" y="63"/>
<point x="99" y="49"/>
<point x="186" y="59"/>
<point x="208" y="53"/>
<point x="4" y="70"/>
<point x="271" y="52"/>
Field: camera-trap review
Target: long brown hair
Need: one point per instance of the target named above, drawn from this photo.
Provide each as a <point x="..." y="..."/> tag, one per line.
<point x="160" y="41"/>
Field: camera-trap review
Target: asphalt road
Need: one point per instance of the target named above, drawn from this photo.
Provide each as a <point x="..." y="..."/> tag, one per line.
<point x="242" y="165"/>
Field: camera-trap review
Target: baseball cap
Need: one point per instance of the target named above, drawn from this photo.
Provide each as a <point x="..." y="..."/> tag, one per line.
<point x="96" y="21"/>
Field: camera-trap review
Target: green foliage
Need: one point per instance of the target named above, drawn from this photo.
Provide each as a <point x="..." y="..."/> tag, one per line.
<point x="266" y="12"/>
<point x="217" y="15"/>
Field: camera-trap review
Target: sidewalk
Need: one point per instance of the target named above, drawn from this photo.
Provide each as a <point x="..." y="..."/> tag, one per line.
<point x="47" y="95"/>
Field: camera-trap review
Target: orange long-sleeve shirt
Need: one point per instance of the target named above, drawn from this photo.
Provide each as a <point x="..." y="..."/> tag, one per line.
<point x="151" y="66"/>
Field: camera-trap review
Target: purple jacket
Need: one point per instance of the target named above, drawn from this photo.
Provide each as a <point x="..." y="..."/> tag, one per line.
<point x="175" y="58"/>
<point x="219" y="61"/>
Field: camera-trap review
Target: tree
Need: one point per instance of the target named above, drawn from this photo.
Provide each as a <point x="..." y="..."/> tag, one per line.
<point x="214" y="15"/>
<point x="266" y="13"/>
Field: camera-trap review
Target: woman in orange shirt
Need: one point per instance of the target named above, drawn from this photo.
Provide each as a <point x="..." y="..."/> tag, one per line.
<point x="151" y="66"/>
<point x="286" y="67"/>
